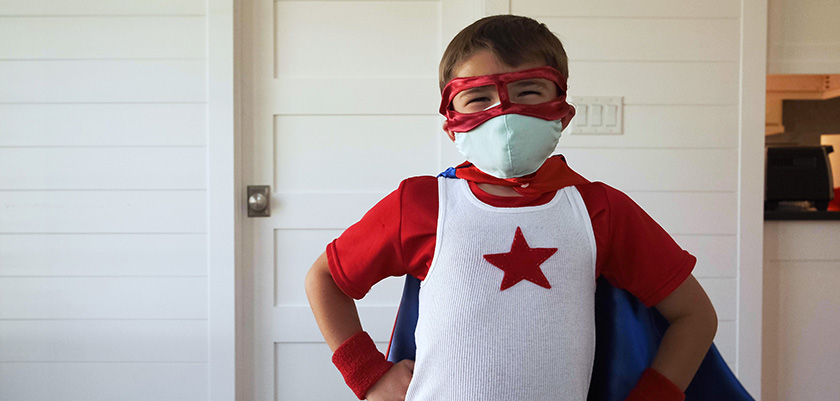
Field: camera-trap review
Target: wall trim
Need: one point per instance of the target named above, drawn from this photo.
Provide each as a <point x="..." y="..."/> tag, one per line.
<point x="753" y="71"/>
<point x="222" y="202"/>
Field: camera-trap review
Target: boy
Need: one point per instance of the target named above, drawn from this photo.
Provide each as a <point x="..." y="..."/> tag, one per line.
<point x="508" y="248"/>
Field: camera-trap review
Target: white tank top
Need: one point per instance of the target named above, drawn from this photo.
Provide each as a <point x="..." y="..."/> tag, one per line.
<point x="533" y="340"/>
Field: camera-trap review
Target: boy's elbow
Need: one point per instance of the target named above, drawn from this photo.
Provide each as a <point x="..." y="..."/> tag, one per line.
<point x="309" y="282"/>
<point x="316" y="275"/>
<point x="711" y="321"/>
<point x="707" y="321"/>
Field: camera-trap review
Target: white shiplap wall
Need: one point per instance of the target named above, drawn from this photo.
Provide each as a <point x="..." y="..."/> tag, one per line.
<point x="103" y="209"/>
<point x="803" y="37"/>
<point x="677" y="66"/>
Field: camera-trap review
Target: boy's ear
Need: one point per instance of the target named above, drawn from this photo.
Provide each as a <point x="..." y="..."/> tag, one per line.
<point x="449" y="133"/>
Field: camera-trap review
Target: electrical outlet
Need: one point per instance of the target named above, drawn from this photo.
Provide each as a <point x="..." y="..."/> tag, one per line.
<point x="598" y="115"/>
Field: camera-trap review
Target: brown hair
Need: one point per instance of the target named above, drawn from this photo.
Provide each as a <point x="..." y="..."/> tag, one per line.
<point x="513" y="39"/>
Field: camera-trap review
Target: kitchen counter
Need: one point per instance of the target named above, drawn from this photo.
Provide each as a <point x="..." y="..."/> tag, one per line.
<point x="800" y="215"/>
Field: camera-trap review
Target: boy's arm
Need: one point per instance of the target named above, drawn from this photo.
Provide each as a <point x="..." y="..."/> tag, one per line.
<point x="693" y="323"/>
<point x="364" y="368"/>
<point x="334" y="311"/>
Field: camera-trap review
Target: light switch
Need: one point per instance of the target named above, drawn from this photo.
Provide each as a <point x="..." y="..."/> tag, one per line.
<point x="610" y="116"/>
<point x="598" y="115"/>
<point x="595" y="116"/>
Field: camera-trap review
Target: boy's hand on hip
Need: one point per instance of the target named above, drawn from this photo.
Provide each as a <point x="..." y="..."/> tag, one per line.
<point x="394" y="383"/>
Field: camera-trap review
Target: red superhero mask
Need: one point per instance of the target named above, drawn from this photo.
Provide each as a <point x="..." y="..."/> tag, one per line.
<point x="514" y="93"/>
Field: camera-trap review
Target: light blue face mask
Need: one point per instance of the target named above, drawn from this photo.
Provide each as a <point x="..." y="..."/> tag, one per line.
<point x="510" y="145"/>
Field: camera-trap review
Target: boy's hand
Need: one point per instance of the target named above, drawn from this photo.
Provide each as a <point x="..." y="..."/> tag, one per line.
<point x="394" y="383"/>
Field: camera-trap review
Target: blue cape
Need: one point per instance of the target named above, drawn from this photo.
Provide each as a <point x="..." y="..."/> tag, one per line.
<point x="627" y="336"/>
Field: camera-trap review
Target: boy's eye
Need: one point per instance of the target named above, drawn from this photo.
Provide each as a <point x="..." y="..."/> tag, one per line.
<point x="532" y="91"/>
<point x="474" y="99"/>
<point x="478" y="100"/>
<point x="529" y="93"/>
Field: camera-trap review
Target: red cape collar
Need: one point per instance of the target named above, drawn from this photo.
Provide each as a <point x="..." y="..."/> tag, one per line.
<point x="554" y="174"/>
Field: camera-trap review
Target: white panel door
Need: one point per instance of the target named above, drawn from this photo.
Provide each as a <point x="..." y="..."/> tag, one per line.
<point x="339" y="103"/>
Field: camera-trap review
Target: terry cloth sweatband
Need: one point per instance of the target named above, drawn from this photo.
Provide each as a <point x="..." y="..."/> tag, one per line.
<point x="361" y="364"/>
<point x="653" y="386"/>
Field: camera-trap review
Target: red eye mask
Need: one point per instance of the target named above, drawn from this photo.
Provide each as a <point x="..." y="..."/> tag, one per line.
<point x="556" y="109"/>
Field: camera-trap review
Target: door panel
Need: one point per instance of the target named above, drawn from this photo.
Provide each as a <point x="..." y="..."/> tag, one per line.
<point x="340" y="104"/>
<point x="353" y="153"/>
<point x="357" y="38"/>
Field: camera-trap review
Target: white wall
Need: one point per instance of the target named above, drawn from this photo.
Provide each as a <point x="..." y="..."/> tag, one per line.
<point x="803" y="37"/>
<point x="676" y="64"/>
<point x="801" y="310"/>
<point x="103" y="209"/>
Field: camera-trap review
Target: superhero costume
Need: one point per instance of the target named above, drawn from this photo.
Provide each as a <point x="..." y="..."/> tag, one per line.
<point x="628" y="336"/>
<point x="647" y="245"/>
<point x="635" y="278"/>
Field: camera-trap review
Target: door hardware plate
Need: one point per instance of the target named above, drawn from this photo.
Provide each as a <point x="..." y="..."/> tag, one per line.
<point x="254" y="194"/>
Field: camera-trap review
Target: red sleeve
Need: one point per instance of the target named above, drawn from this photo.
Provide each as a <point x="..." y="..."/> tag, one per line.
<point x="394" y="238"/>
<point x="634" y="252"/>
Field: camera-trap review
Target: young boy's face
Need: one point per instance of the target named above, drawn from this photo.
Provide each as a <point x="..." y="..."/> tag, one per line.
<point x="506" y="120"/>
<point x="526" y="91"/>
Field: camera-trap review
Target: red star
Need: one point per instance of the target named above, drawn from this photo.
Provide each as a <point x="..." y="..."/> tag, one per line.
<point x="522" y="262"/>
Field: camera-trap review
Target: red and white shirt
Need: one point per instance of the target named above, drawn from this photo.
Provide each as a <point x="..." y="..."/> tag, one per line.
<point x="397" y="237"/>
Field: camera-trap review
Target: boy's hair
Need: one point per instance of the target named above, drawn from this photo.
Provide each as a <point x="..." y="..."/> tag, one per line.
<point x="513" y="39"/>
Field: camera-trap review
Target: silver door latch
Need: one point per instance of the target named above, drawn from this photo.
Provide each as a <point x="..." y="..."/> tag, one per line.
<point x="259" y="200"/>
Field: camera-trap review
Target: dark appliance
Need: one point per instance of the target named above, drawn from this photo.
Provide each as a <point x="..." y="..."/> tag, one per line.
<point x="798" y="173"/>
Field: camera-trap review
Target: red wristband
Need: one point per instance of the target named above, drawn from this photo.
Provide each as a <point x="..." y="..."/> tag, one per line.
<point x="652" y="386"/>
<point x="361" y="364"/>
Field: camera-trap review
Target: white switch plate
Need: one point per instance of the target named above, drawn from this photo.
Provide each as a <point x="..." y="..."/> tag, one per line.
<point x="598" y="115"/>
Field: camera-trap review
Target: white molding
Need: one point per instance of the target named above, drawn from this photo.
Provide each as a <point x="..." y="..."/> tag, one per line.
<point x="222" y="219"/>
<point x="247" y="14"/>
<point x="753" y="71"/>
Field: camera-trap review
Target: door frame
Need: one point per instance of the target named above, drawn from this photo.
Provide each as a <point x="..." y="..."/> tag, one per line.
<point x="753" y="71"/>
<point x="223" y="203"/>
